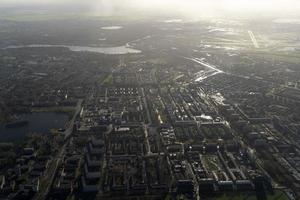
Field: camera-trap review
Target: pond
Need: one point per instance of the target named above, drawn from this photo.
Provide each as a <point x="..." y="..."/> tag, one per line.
<point x="40" y="122"/>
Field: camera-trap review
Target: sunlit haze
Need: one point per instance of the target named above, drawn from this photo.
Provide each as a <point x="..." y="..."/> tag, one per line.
<point x="149" y="99"/>
<point x="188" y="8"/>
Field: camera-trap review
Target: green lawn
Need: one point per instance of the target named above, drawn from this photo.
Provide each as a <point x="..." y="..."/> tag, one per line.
<point x="108" y="80"/>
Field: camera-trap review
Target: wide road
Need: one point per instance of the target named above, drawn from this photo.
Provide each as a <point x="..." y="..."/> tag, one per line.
<point x="145" y="126"/>
<point x="253" y="39"/>
<point x="69" y="130"/>
<point x="213" y="70"/>
<point x="143" y="96"/>
<point x="57" y="159"/>
<point x="50" y="174"/>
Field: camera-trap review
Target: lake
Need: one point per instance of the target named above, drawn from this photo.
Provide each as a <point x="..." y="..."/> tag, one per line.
<point x="38" y="123"/>
<point x="119" y="50"/>
<point x="111" y="27"/>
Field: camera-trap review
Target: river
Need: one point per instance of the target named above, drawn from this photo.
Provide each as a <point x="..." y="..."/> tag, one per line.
<point x="119" y="50"/>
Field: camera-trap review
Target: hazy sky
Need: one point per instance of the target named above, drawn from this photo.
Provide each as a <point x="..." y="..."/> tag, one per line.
<point x="189" y="8"/>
